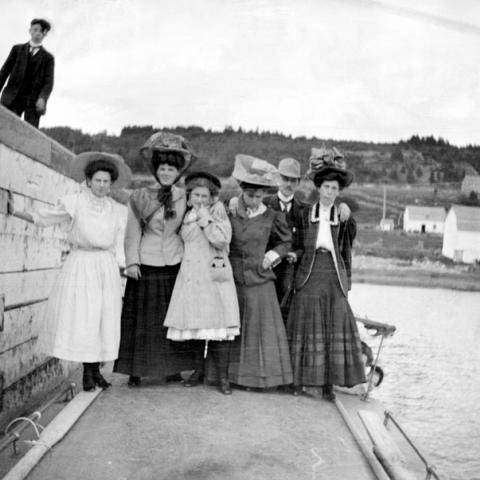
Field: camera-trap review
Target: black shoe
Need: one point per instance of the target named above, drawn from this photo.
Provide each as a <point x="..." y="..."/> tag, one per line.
<point x="98" y="377"/>
<point x="88" y="381"/>
<point x="134" y="381"/>
<point x="328" y="393"/>
<point x="225" y="387"/>
<point x="195" y="378"/>
<point x="176" y="377"/>
<point x="297" y="390"/>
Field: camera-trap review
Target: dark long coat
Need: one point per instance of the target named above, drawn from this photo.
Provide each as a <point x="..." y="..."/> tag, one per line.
<point x="305" y="238"/>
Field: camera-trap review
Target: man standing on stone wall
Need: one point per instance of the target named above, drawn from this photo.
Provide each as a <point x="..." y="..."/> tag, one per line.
<point x="29" y="69"/>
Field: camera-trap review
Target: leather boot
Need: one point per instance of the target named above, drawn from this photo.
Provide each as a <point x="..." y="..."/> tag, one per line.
<point x="88" y="381"/>
<point x="134" y="381"/>
<point x="195" y="378"/>
<point x="328" y="393"/>
<point x="225" y="386"/>
<point x="98" y="377"/>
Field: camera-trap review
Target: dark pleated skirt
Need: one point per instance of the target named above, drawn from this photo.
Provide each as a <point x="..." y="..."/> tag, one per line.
<point x="144" y="349"/>
<point x="322" y="331"/>
<point x="259" y="356"/>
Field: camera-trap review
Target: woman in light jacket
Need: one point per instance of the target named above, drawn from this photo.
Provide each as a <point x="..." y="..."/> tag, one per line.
<point x="323" y="334"/>
<point x="153" y="252"/>
<point x="204" y="304"/>
<point x="82" y="316"/>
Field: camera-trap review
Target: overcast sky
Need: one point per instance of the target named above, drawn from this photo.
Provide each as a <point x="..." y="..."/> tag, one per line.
<point x="346" y="69"/>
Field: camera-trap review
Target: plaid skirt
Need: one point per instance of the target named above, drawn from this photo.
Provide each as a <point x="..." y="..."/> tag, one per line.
<point x="322" y="332"/>
<point x="145" y="350"/>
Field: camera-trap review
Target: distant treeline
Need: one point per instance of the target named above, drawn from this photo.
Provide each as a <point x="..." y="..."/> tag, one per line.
<point x="417" y="160"/>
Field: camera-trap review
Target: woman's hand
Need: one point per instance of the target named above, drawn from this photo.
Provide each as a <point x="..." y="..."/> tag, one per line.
<point x="133" y="271"/>
<point x="202" y="211"/>
<point x="270" y="260"/>
<point x="267" y="263"/>
<point x="233" y="206"/>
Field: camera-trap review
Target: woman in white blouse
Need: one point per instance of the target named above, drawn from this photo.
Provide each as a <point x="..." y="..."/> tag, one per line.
<point x="323" y="335"/>
<point x="82" y="315"/>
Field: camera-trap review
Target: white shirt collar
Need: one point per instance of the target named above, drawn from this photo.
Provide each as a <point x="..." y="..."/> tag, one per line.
<point x="283" y="198"/>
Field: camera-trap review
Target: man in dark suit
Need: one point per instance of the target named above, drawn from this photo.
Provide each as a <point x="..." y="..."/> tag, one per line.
<point x="29" y="69"/>
<point x="284" y="201"/>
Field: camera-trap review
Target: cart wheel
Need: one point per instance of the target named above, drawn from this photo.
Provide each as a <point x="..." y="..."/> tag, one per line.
<point x="377" y="376"/>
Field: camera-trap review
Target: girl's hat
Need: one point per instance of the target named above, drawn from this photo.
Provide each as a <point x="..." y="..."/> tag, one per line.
<point x="203" y="175"/>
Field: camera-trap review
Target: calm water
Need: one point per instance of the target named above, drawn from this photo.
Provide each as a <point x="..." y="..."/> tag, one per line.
<point x="432" y="366"/>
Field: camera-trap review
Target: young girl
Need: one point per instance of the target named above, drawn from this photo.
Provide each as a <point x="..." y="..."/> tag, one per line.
<point x="204" y="302"/>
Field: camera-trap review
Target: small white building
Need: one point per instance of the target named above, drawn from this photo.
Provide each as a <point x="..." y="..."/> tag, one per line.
<point x="423" y="219"/>
<point x="461" y="238"/>
<point x="471" y="183"/>
<point x="387" y="225"/>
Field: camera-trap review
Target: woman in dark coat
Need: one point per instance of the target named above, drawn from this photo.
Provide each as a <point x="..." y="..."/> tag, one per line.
<point x="259" y="357"/>
<point x="323" y="335"/>
<point x="153" y="252"/>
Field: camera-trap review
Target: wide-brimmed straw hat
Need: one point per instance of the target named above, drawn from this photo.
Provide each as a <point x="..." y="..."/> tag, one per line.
<point x="329" y="162"/>
<point x="166" y="142"/>
<point x="81" y="161"/>
<point x="255" y="172"/>
<point x="289" y="167"/>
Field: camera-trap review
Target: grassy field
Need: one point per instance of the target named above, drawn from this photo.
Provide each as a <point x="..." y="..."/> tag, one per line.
<point x="370" y="200"/>
<point x="399" y="244"/>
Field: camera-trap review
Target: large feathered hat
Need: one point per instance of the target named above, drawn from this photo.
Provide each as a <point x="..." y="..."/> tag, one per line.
<point x="329" y="162"/>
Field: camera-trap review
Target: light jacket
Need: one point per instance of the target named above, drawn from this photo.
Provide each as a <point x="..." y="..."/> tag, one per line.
<point x="149" y="238"/>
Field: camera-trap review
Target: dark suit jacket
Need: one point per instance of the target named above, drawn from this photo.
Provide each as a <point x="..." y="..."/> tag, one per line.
<point x="272" y="201"/>
<point x="14" y="69"/>
<point x="305" y="241"/>
<point x="285" y="271"/>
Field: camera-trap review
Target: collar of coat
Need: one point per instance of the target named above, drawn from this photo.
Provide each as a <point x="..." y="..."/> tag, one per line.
<point x="315" y="214"/>
<point x="144" y="201"/>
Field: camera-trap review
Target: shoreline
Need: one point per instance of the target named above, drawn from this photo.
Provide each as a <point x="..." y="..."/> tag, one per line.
<point x="467" y="282"/>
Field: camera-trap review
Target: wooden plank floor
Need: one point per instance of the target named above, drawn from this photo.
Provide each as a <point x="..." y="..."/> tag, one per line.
<point x="172" y="432"/>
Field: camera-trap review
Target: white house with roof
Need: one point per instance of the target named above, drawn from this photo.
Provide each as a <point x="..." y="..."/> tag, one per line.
<point x="471" y="183"/>
<point x="461" y="237"/>
<point x="423" y="219"/>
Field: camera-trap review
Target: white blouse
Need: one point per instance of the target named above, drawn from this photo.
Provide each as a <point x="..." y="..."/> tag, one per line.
<point x="324" y="236"/>
<point x="91" y="222"/>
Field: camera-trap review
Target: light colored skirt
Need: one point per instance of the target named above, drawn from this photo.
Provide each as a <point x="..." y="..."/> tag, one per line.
<point x="203" y="334"/>
<point x="201" y="309"/>
<point x="82" y="315"/>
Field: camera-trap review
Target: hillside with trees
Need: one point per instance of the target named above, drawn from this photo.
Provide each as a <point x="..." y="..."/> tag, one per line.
<point x="418" y="160"/>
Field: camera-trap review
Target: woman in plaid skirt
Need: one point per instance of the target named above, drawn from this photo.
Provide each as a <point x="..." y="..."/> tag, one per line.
<point x="323" y="336"/>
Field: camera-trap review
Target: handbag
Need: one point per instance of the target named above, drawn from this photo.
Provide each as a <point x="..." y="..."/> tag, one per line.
<point x="219" y="268"/>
